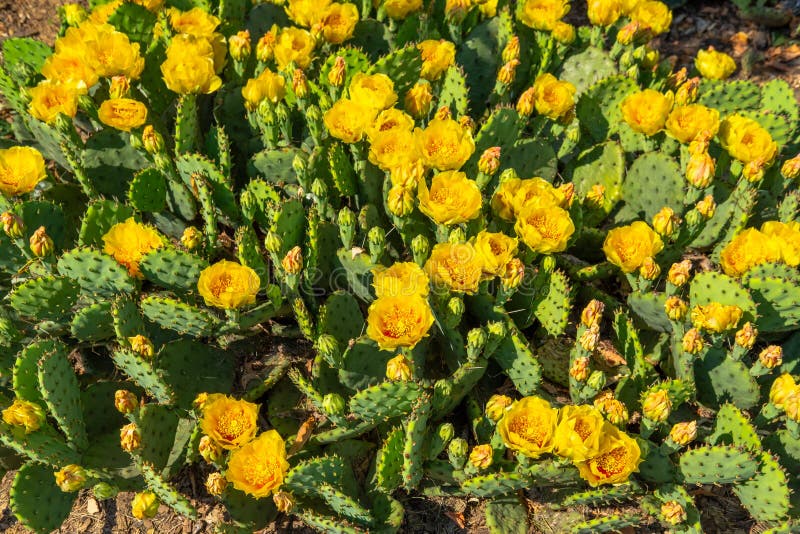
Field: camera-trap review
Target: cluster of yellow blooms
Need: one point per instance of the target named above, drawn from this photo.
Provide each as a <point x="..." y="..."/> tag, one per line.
<point x="774" y="242"/>
<point x="602" y="453"/>
<point x="196" y="54"/>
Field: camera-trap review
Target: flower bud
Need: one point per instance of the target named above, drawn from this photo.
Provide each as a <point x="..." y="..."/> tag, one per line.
<point x="657" y="405"/>
<point x="675" y="308"/>
<point x="476" y="339"/>
<point x="701" y="142"/>
<point x="496" y="329"/>
<point x="511" y="50"/>
<point x="376" y="239"/>
<point x="692" y="341"/>
<point x="73" y="14"/>
<point x="580" y="369"/>
<point x="199" y="401"/>
<point x="673" y="513"/>
<point x="299" y="83"/>
<point x="130" y="439"/>
<point x="400" y="200"/>
<point x="209" y="450"/>
<point x="596" y="196"/>
<point x="333" y="403"/>
<point x="650" y="58"/>
<point x="457" y="236"/>
<point x="590" y="338"/>
<point x="791" y="168"/>
<point x="592" y="313"/>
<point x="771" y="357"/>
<point x="328" y="347"/>
<point x="707" y="207"/>
<point x="679" y="273"/>
<point x="443" y="113"/>
<point x="457" y="452"/>
<point x="70" y="478"/>
<point x="292" y="262"/>
<point x="649" y="269"/>
<point x="418" y="100"/>
<point x="513" y="273"/>
<point x="420" y="247"/>
<point x="568" y="192"/>
<point x="782" y="387"/>
<point x="398" y="368"/>
<point x="466" y="123"/>
<point x="596" y="380"/>
<point x="687" y="92"/>
<point x="239" y="45"/>
<point x="265" y="48"/>
<point x="754" y="171"/>
<point x="142" y="346"/>
<point x="24" y="414"/>
<point x="746" y="336"/>
<point x="700" y="170"/>
<point x="563" y="32"/>
<point x="120" y="87"/>
<point x="496" y="406"/>
<point x="273" y="242"/>
<point x="283" y="501"/>
<point x="125" y="402"/>
<point x="104" y="490"/>
<point x="191" y="238"/>
<point x="144" y="505"/>
<point x="456" y="10"/>
<point x="489" y="161"/>
<point x="12" y="225"/>
<point x="216" y="484"/>
<point x="683" y="433"/>
<point x="40" y="243"/>
<point x="337" y="73"/>
<point x="628" y="33"/>
<point x="665" y="221"/>
<point x="481" y="456"/>
<point x="152" y="140"/>
<point x="526" y="102"/>
<point x="613" y="410"/>
<point x="508" y="72"/>
<point x="792" y="406"/>
<point x="455" y="308"/>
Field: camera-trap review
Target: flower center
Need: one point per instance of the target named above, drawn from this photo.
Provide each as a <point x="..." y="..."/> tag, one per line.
<point x="221" y="284"/>
<point x="231" y="424"/>
<point x="398" y="323"/>
<point x="613" y="462"/>
<point x="261" y="472"/>
<point x="529" y="428"/>
<point x="583" y="429"/>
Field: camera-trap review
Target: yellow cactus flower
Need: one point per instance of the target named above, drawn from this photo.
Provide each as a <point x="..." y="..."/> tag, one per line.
<point x="542" y="14"/>
<point x="229" y="422"/>
<point x="628" y="246"/>
<point x="481" y="456"/>
<point x="142" y="345"/>
<point x="653" y="15"/>
<point x="130" y="438"/>
<point x="604" y="12"/>
<point x="125" y="402"/>
<point x="294" y="45"/>
<point x="402" y="279"/>
<point x="70" y="478"/>
<point x="716" y="317"/>
<point x="529" y="426"/>
<point x="619" y="457"/>
<point x="539" y="193"/>
<point x="746" y="140"/>
<point x="683" y="433"/>
<point x="418" y="100"/>
<point x="284" y="501"/>
<point x="685" y="122"/>
<point x="781" y="389"/>
<point x="400" y="9"/>
<point x="646" y="111"/>
<point x="228" y="285"/>
<point x="25" y="414"/>
<point x="785" y="235"/>
<point x="613" y="410"/>
<point x="437" y="57"/>
<point x="190" y="67"/>
<point x="578" y="432"/>
<point x="455" y="266"/>
<point x="400" y="321"/>
<point x="563" y="33"/>
<point x="451" y="199"/>
<point x="21" y="169"/>
<point x="393" y="148"/>
<point x="49" y="99"/>
<point x="110" y="52"/>
<point x="445" y="145"/>
<point x="122" y="113"/>
<point x="266" y="86"/>
<point x="545" y="229"/>
<point x="306" y="12"/>
<point x="128" y="241"/>
<point x="70" y="67"/>
<point x="338" y="22"/>
<point x="348" y="120"/>
<point x="144" y="505"/>
<point x="553" y="98"/>
<point x="388" y="120"/>
<point x="495" y="249"/>
<point x="503" y="198"/>
<point x="195" y="22"/>
<point x="749" y="248"/>
<point x="400" y="200"/>
<point x="657" y="405"/>
<point x="714" y="65"/>
<point x="373" y="90"/>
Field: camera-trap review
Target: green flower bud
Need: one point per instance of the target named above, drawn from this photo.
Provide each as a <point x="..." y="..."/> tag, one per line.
<point x="319" y="189"/>
<point x="476" y="340"/>
<point x="104" y="490"/>
<point x="457" y="452"/>
<point x="446" y="432"/>
<point x="273" y="243"/>
<point x="597" y="380"/>
<point x="328" y="347"/>
<point x="347" y="226"/>
<point x="455" y="309"/>
<point x="457" y="236"/>
<point x="548" y="263"/>
<point x="333" y="404"/>
<point x="421" y="248"/>
<point x="376" y="238"/>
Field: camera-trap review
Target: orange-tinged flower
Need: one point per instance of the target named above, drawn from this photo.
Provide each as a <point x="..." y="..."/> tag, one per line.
<point x="646" y="111"/>
<point x="529" y="426"/>
<point x="444" y="144"/>
<point x="400" y="321"/>
<point x="545" y="229"/>
<point x="628" y="246"/>
<point x="451" y="199"/>
<point x="129" y="241"/>
<point x="49" y="99"/>
<point x="122" y="113"/>
<point x="495" y="249"/>
<point x="685" y="122"/>
<point x="259" y="467"/>
<point x="229" y="422"/>
<point x="21" y="168"/>
<point x="402" y="279"/>
<point x="228" y="285"/>
<point x="455" y="266"/>
<point x="348" y="120"/>
<point x="620" y="456"/>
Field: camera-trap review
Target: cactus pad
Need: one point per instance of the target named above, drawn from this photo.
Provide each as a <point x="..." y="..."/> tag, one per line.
<point x="178" y="316"/>
<point x="644" y="196"/>
<point x="148" y="190"/>
<point x="96" y="273"/>
<point x="507" y="515"/>
<point x="144" y="374"/>
<point x="93" y="323"/>
<point x="166" y="493"/>
<point x="60" y="390"/>
<point x="99" y="218"/>
<point x="172" y="269"/>
<point x="384" y="401"/>
<point x="708" y="287"/>
<point x="718" y="464"/>
<point x="733" y="428"/>
<point x="587" y="68"/>
<point x="722" y="379"/>
<point x="45" y="298"/>
<point x="37" y="501"/>
<point x="495" y="484"/>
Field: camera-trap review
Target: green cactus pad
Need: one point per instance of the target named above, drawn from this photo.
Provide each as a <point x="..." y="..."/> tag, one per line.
<point x="414" y="444"/>
<point x="776" y="300"/>
<point x="148" y="190"/>
<point x="275" y="165"/>
<point x="502" y="129"/>
<point x="766" y="495"/>
<point x="99" y="218"/>
<point x="305" y="477"/>
<point x="189" y="165"/>
<point x="344" y="505"/>
<point x="166" y="493"/>
<point x="61" y="392"/>
<point x="97" y="400"/>
<point x="644" y="197"/>
<point x="110" y="162"/>
<point x="93" y="323"/>
<point x="175" y="315"/>
<point x="478" y="56"/>
<point x="26" y="369"/>
<point x="649" y="308"/>
<point x="23" y="57"/>
<point x="515" y="357"/>
<point x="403" y="66"/>
<point x="529" y="158"/>
<point x="721" y="379"/>
<point x="389" y="461"/>
<point x="710" y="286"/>
<point x="781" y="128"/>
<point x="172" y="269"/>
<point x="363" y="365"/>
<point x="729" y="97"/>
<point x="37" y="501"/>
<point x="454" y="91"/>
<point x="604" y="165"/>
<point x="777" y="96"/>
<point x="135" y="21"/>
<point x="252" y="514"/>
<point x="290" y="225"/>
<point x="329" y="524"/>
<point x="388" y="512"/>
<point x="45" y="445"/>
<point x="357" y="266"/>
<point x="552" y="308"/>
<point x="344" y="177"/>
<point x="158" y="425"/>
<point x="384" y="401"/>
<point x="598" y="108"/>
<point x="341" y="317"/>
<point x="587" y="68"/>
<point x="609" y="523"/>
<point x="95" y="272"/>
<point x="191" y="367"/>
<point x="46" y="298"/>
<point x="495" y="484"/>
<point x="718" y="464"/>
<point x="507" y="515"/>
<point x="128" y="320"/>
<point x="734" y="428"/>
<point x="144" y="374"/>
